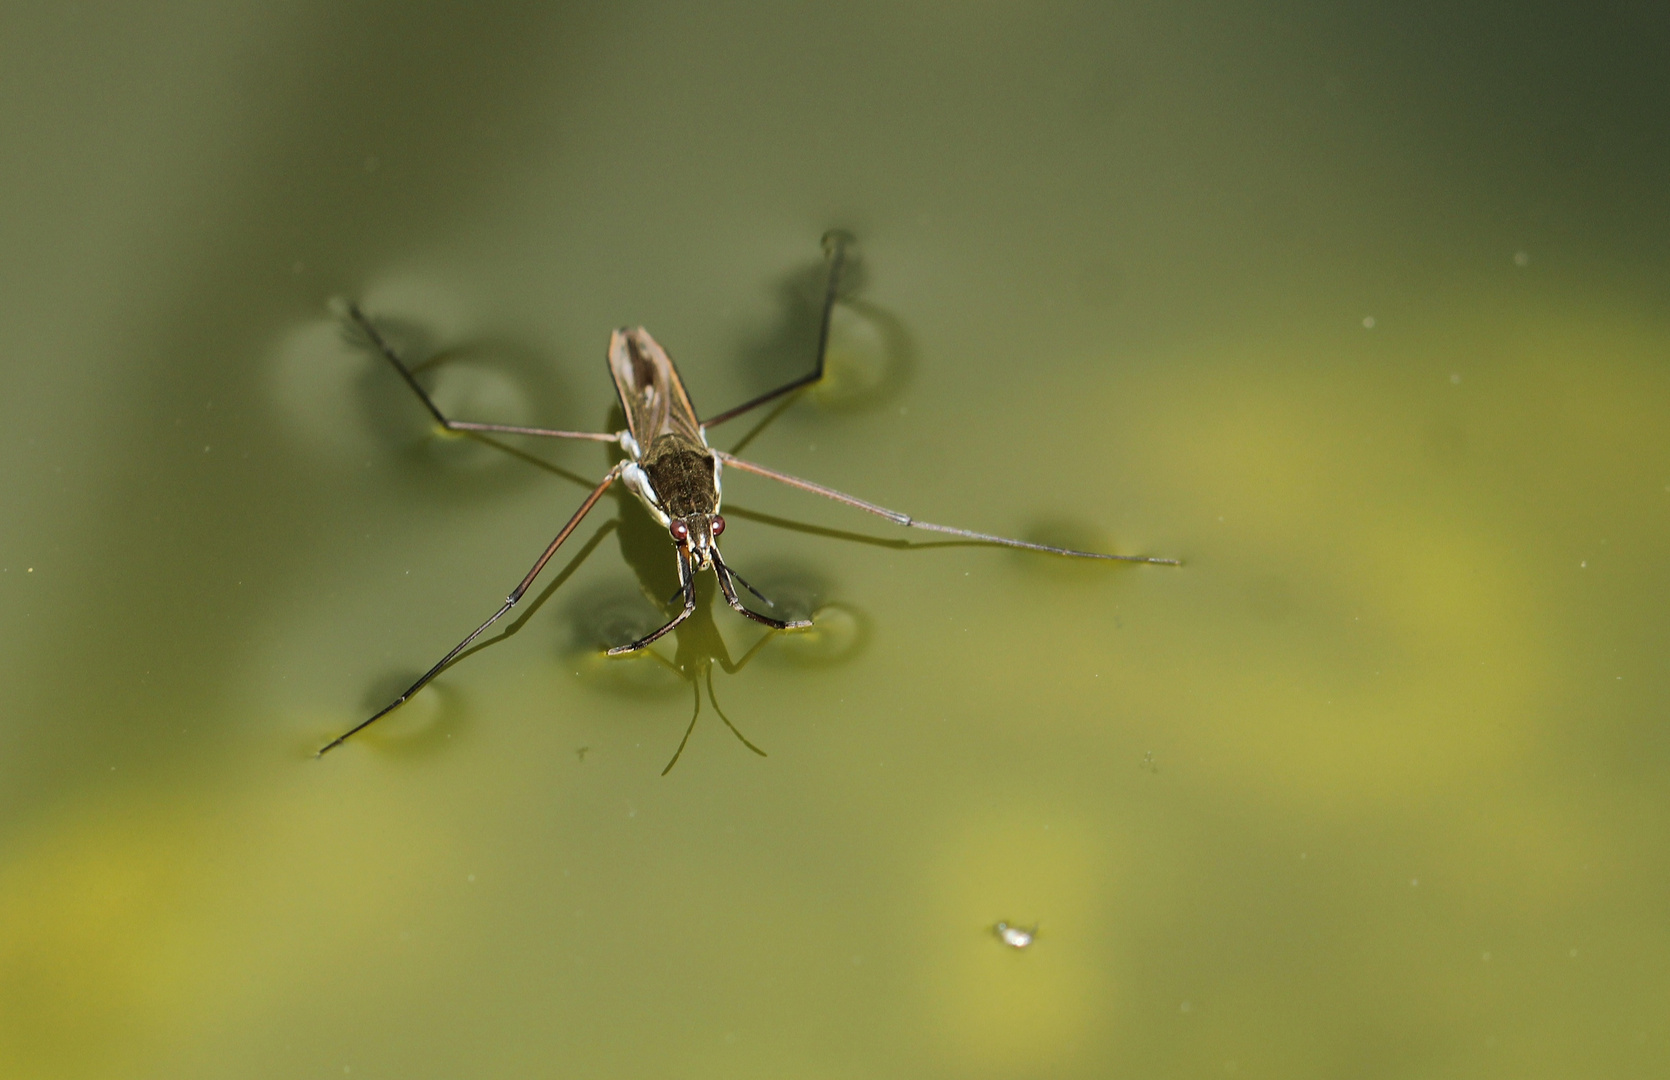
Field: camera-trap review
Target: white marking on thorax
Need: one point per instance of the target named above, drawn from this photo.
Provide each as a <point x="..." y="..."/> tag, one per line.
<point x="637" y="482"/>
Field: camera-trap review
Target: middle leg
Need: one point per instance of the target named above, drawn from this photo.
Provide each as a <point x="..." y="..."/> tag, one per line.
<point x="724" y="574"/>
<point x="688" y="578"/>
<point x="370" y="330"/>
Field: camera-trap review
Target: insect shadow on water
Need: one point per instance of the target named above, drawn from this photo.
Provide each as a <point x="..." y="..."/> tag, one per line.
<point x="427" y="728"/>
<point x="612" y="614"/>
<point x="675" y="474"/>
<point x="699" y="649"/>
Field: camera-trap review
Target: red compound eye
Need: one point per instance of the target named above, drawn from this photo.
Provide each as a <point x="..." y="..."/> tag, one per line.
<point x="680" y="530"/>
<point x="718" y="524"/>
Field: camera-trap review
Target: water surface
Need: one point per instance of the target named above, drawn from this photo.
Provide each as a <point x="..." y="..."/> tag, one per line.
<point x="1362" y="316"/>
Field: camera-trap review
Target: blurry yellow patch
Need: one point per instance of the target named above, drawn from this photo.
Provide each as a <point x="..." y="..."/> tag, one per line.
<point x="994" y="1010"/>
<point x="92" y="936"/>
<point x="1433" y="663"/>
<point x="141" y="927"/>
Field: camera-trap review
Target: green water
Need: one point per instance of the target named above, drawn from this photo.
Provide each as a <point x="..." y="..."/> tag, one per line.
<point x="1361" y="315"/>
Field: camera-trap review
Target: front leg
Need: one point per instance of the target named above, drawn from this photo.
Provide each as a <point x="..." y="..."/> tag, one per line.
<point x="687" y="577"/>
<point x="724" y="573"/>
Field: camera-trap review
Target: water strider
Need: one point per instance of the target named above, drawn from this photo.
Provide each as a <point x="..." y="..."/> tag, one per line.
<point x="675" y="473"/>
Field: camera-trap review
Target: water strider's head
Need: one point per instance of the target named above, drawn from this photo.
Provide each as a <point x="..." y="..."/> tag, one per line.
<point x="698" y="535"/>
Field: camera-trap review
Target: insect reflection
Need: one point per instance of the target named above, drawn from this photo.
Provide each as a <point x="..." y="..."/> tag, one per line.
<point x="699" y="646"/>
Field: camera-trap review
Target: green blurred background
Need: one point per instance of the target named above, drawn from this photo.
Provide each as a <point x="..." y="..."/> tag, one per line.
<point x="1359" y="310"/>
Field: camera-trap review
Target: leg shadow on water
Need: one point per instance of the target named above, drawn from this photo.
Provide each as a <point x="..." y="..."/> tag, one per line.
<point x="422" y="730"/>
<point x="870" y="359"/>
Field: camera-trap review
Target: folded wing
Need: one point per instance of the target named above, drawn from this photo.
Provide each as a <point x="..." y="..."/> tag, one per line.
<point x="651" y="392"/>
